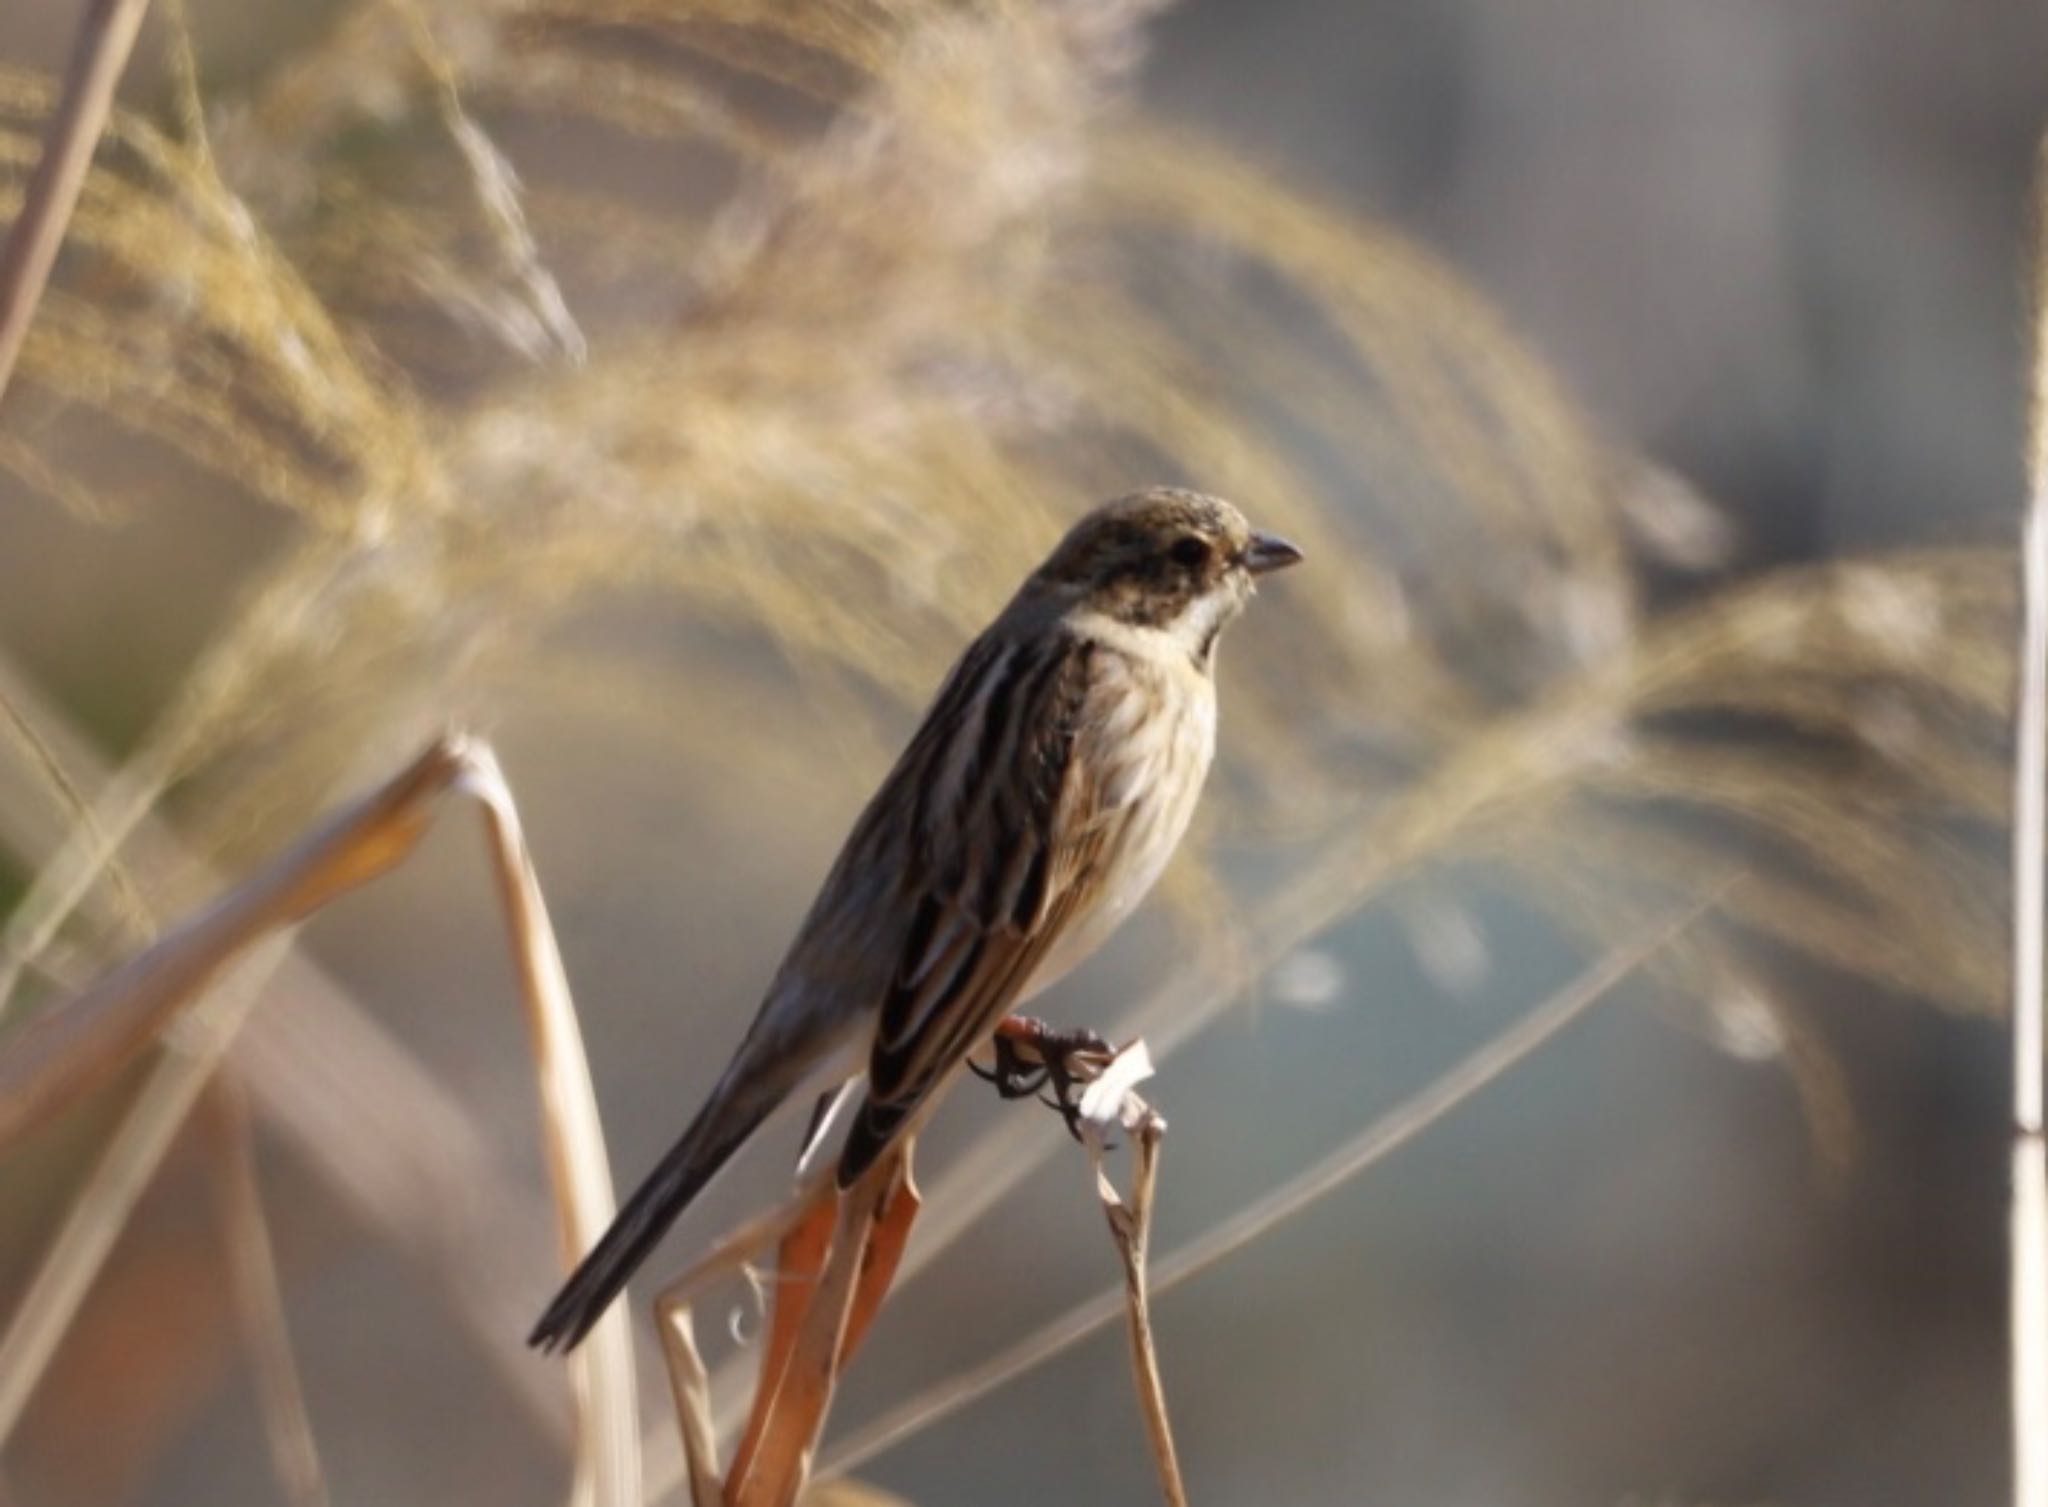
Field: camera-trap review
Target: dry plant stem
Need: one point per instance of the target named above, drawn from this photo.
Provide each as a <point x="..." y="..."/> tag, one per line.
<point x="219" y="958"/>
<point x="123" y="1169"/>
<point x="2029" y="1275"/>
<point x="1385" y="1135"/>
<point x="351" y="1099"/>
<point x="78" y="1043"/>
<point x="601" y="1371"/>
<point x="68" y="1050"/>
<point x="803" y="1389"/>
<point x="354" y="1105"/>
<point x="887" y="1237"/>
<point x="134" y="910"/>
<point x="801" y="1257"/>
<point x="690" y="1389"/>
<point x="689" y="1382"/>
<point x="258" y="1296"/>
<point x="1130" y="1225"/>
<point x="70" y="874"/>
<point x="834" y="1258"/>
<point x="106" y="35"/>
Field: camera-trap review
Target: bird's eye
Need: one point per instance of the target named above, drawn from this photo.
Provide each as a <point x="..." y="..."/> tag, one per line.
<point x="1190" y="551"/>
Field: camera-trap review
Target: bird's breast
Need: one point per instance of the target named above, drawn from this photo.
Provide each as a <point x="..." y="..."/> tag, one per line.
<point x="1151" y="732"/>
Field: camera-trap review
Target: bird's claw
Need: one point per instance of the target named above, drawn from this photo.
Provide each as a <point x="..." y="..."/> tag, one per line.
<point x="1031" y="1055"/>
<point x="1014" y="1076"/>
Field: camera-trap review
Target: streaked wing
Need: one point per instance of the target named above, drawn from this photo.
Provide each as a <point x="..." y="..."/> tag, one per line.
<point x="1012" y="829"/>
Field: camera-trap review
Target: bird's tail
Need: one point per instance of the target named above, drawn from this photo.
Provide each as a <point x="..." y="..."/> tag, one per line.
<point x="735" y="1110"/>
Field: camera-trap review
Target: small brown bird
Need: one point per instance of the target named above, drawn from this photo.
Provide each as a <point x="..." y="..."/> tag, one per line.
<point x="1051" y="781"/>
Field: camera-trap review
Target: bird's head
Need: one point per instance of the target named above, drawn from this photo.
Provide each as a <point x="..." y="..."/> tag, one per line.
<point x="1173" y="561"/>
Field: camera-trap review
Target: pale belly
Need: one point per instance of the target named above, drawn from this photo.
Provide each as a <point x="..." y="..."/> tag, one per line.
<point x="1165" y="787"/>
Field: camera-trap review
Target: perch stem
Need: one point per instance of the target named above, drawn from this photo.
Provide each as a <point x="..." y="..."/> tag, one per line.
<point x="1130" y="1223"/>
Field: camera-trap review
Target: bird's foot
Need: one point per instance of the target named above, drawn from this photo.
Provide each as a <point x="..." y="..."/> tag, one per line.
<point x="1031" y="1055"/>
<point x="1015" y="1075"/>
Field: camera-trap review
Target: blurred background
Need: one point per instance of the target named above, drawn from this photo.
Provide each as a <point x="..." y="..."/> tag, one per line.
<point x="669" y="390"/>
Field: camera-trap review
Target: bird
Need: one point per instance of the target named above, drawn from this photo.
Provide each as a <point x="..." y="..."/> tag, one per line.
<point x="1050" y="781"/>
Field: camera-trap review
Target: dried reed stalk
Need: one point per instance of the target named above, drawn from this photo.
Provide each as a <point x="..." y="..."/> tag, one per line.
<point x="2029" y="1275"/>
<point x="601" y="1371"/>
<point x="834" y="1254"/>
<point x="838" y="1298"/>
<point x="353" y="1101"/>
<point x="72" y="1049"/>
<point x="258" y="1296"/>
<point x="123" y="1168"/>
<point x="106" y="35"/>
<point x="169" y="994"/>
<point x="689" y="1381"/>
<point x="22" y="729"/>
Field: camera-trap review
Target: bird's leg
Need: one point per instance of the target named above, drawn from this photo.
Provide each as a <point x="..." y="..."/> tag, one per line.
<point x="1031" y="1054"/>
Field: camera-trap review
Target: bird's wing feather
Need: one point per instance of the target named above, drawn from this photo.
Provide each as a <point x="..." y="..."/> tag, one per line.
<point x="1013" y="842"/>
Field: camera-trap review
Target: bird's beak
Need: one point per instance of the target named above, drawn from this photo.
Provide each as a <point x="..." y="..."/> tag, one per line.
<point x="1269" y="552"/>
